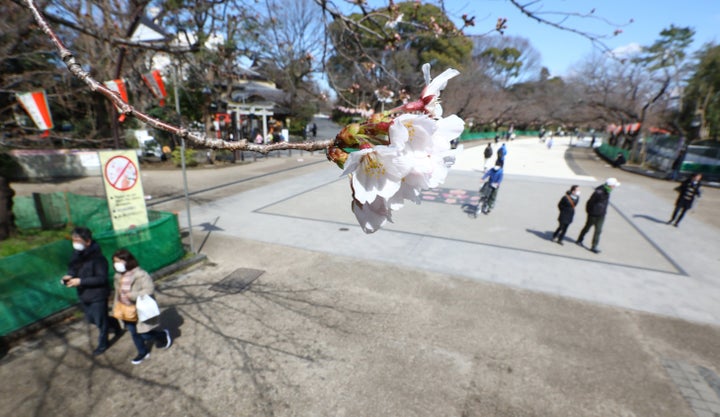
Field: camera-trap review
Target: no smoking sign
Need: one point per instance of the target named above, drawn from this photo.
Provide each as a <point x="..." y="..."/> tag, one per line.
<point x="121" y="173"/>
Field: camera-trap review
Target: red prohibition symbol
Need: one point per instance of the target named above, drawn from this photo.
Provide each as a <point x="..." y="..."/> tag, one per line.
<point x="121" y="173"/>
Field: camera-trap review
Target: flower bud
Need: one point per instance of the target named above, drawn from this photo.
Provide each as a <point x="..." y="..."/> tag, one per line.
<point x="337" y="155"/>
<point x="348" y="136"/>
<point x="376" y="133"/>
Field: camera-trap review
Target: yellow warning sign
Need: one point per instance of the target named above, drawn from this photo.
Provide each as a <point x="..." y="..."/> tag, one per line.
<point x="125" y="197"/>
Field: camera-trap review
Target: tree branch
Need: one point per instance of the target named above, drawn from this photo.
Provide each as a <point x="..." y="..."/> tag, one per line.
<point x="76" y="69"/>
<point x="593" y="38"/>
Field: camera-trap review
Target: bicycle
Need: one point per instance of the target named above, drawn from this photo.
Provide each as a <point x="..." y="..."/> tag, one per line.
<point x="484" y="203"/>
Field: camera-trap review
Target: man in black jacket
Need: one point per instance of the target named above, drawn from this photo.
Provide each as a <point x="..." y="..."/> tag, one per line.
<point x="488" y="153"/>
<point x="88" y="273"/>
<point x="596" y="209"/>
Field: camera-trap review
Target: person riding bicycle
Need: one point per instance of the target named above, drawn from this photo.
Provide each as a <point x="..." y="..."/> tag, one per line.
<point x="489" y="190"/>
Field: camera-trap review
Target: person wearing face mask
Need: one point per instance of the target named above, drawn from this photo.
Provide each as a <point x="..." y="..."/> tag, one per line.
<point x="88" y="274"/>
<point x="567" y="212"/>
<point x="490" y="188"/>
<point x="131" y="281"/>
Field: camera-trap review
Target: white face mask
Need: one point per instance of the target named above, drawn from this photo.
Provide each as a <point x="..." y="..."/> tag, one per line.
<point x="78" y="246"/>
<point x="577" y="193"/>
<point x="119" y="266"/>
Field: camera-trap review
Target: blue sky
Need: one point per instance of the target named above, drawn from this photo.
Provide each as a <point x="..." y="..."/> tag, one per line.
<point x="560" y="50"/>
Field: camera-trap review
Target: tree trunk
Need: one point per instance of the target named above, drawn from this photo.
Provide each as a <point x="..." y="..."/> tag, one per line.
<point x="6" y="217"/>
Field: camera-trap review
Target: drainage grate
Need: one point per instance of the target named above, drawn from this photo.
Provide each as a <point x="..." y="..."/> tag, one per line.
<point x="237" y="281"/>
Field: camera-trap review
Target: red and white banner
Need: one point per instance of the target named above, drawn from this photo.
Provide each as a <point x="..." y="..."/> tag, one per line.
<point x="118" y="86"/>
<point x="632" y="128"/>
<point x="155" y="83"/>
<point x="36" y="105"/>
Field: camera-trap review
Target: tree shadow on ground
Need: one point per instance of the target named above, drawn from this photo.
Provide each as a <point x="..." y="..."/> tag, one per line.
<point x="251" y="342"/>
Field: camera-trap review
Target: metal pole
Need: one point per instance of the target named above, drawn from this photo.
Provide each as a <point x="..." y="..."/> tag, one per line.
<point x="182" y="163"/>
<point x="187" y="198"/>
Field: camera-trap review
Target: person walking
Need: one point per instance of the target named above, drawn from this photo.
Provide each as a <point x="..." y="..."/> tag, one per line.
<point x="131" y="282"/>
<point x="567" y="212"/>
<point x="501" y="154"/>
<point x="687" y="191"/>
<point x="88" y="273"/>
<point x="677" y="163"/>
<point x="596" y="209"/>
<point x="494" y="178"/>
<point x="488" y="153"/>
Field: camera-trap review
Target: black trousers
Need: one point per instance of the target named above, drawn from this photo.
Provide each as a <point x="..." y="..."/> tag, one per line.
<point x="592" y="221"/>
<point x="679" y="209"/>
<point x="97" y="314"/>
<point x="560" y="232"/>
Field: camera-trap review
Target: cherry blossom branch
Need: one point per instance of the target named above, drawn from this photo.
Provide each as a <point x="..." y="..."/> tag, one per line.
<point x="124" y="108"/>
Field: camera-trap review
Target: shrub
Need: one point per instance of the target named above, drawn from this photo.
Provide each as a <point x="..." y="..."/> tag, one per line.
<point x="190" y="160"/>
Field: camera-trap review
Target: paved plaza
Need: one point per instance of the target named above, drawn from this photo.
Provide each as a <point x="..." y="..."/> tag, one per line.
<point x="437" y="314"/>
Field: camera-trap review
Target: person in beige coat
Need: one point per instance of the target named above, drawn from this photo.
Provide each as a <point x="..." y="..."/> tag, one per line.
<point x="131" y="281"/>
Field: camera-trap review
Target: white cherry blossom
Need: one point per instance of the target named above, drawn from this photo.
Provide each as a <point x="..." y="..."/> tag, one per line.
<point x="431" y="93"/>
<point x="372" y="216"/>
<point x="382" y="175"/>
<point x="376" y="172"/>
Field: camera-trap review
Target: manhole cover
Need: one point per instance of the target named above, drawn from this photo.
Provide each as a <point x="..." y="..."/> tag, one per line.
<point x="237" y="281"/>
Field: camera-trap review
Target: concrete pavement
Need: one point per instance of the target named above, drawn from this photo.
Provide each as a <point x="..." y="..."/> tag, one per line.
<point x="645" y="264"/>
<point x="437" y="314"/>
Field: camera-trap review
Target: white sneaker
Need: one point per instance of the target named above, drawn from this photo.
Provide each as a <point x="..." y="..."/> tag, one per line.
<point x="139" y="358"/>
<point x="169" y="339"/>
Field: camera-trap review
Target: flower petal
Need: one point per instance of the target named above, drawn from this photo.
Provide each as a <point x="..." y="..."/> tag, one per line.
<point x="439" y="83"/>
<point x="413" y="131"/>
<point x="371" y="217"/>
<point x="448" y="128"/>
<point x="379" y="173"/>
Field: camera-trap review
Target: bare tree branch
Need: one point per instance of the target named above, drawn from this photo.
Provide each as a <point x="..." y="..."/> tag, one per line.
<point x="76" y="69"/>
<point x="595" y="39"/>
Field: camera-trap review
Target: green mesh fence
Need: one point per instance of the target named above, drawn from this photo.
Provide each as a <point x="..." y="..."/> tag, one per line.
<point x="466" y="135"/>
<point x="30" y="288"/>
<point x="60" y="209"/>
<point x="611" y="152"/>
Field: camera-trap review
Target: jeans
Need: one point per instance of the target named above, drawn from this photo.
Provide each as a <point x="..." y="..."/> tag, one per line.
<point x="141" y="339"/>
<point x="492" y="198"/>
